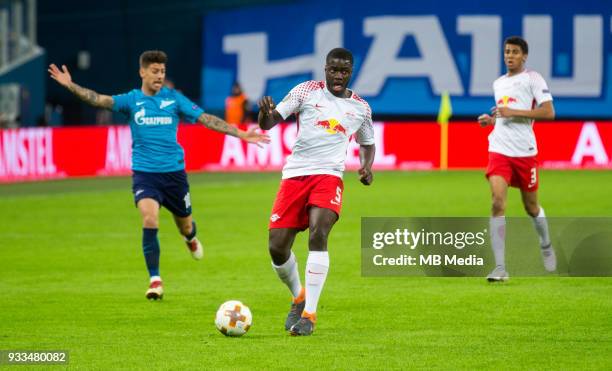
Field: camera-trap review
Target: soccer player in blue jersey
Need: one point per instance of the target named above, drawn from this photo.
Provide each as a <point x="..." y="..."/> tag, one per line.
<point x="158" y="165"/>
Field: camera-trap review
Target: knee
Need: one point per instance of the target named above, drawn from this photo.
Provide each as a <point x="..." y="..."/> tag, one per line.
<point x="317" y="240"/>
<point x="150" y="220"/>
<point x="278" y="252"/>
<point x="532" y="209"/>
<point x="498" y="206"/>
<point x="274" y="249"/>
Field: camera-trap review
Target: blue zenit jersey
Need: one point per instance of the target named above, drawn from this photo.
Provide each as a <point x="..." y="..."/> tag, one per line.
<point x="154" y="125"/>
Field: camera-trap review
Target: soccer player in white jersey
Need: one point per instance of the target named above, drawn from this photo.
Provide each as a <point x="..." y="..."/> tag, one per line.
<point x="521" y="96"/>
<point x="310" y="194"/>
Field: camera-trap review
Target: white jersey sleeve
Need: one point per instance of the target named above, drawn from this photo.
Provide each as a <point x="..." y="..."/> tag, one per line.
<point x="365" y="134"/>
<point x="292" y="103"/>
<point x="539" y="88"/>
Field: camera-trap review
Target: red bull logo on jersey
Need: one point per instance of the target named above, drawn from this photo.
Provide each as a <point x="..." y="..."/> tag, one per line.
<point x="505" y="101"/>
<point x="332" y="126"/>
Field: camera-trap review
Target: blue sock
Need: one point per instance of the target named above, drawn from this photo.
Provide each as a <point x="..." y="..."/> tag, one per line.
<point x="150" y="247"/>
<point x="191" y="235"/>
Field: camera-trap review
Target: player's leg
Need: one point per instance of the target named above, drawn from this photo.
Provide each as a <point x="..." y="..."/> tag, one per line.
<point x="540" y="223"/>
<point x="499" y="194"/>
<point x="149" y="211"/>
<point x="185" y="225"/>
<point x="280" y="241"/>
<point x="321" y="221"/>
<point x="289" y="217"/>
<point x="325" y="201"/>
<point x="177" y="200"/>
<point x="497" y="226"/>
<point x="499" y="174"/>
<point x="285" y="265"/>
<point x="187" y="228"/>
<point x="528" y="179"/>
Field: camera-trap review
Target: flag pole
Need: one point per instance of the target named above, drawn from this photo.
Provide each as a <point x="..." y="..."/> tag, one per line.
<point x="444" y="113"/>
<point x="444" y="146"/>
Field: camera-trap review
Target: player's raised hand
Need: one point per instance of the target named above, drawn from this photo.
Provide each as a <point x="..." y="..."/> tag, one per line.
<point x="61" y="76"/>
<point x="255" y="137"/>
<point x="266" y="105"/>
<point x="485" y="120"/>
<point x="365" y="176"/>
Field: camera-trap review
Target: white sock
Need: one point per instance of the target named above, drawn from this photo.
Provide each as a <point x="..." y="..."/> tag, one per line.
<point x="316" y="273"/>
<point x="541" y="225"/>
<point x="497" y="229"/>
<point x="288" y="273"/>
<point x="154" y="278"/>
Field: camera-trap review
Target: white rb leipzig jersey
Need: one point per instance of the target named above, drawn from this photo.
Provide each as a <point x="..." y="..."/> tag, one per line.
<point x="513" y="136"/>
<point x="325" y="125"/>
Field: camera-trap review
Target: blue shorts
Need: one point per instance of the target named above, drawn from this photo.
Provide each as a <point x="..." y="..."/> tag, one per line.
<point x="170" y="190"/>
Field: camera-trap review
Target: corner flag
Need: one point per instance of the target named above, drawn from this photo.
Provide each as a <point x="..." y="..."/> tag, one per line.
<point x="446" y="110"/>
<point x="444" y="113"/>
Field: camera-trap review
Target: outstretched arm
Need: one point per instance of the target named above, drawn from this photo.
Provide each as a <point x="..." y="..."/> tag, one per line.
<point x="86" y="95"/>
<point x="268" y="116"/>
<point x="215" y="123"/>
<point x="366" y="159"/>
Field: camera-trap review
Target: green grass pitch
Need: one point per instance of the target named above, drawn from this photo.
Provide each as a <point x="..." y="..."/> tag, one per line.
<point x="72" y="277"/>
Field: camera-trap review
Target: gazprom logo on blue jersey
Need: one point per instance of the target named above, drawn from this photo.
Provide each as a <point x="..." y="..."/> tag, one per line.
<point x="141" y="119"/>
<point x="407" y="54"/>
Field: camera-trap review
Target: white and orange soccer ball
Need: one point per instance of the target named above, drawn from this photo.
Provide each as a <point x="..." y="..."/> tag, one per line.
<point x="233" y="318"/>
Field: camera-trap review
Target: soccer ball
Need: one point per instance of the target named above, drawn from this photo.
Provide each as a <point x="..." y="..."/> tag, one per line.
<point x="233" y="318"/>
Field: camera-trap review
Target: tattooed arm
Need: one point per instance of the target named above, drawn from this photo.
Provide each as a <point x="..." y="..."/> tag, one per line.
<point x="91" y="97"/>
<point x="86" y="95"/>
<point x="215" y="123"/>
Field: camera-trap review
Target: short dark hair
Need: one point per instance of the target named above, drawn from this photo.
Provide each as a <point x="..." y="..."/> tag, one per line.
<point x="517" y="40"/>
<point x="339" y="53"/>
<point x="152" y="56"/>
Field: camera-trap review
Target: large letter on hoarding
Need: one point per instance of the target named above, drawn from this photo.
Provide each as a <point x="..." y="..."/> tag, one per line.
<point x="254" y="68"/>
<point x="587" y="61"/>
<point x="590" y="145"/>
<point x="486" y="50"/>
<point x="118" y="149"/>
<point x="382" y="62"/>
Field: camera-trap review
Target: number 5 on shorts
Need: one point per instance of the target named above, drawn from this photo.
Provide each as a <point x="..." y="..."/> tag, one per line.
<point x="534" y="177"/>
<point x="338" y="199"/>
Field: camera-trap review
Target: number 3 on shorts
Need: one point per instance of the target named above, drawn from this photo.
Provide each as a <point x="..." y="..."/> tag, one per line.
<point x="534" y="175"/>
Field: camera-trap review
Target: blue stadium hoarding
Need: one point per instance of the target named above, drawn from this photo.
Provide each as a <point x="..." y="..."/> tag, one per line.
<point x="407" y="54"/>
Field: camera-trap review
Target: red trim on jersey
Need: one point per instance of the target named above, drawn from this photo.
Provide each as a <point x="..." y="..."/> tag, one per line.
<point x="307" y="87"/>
<point x="303" y="90"/>
<point x="361" y="100"/>
<point x="357" y="97"/>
